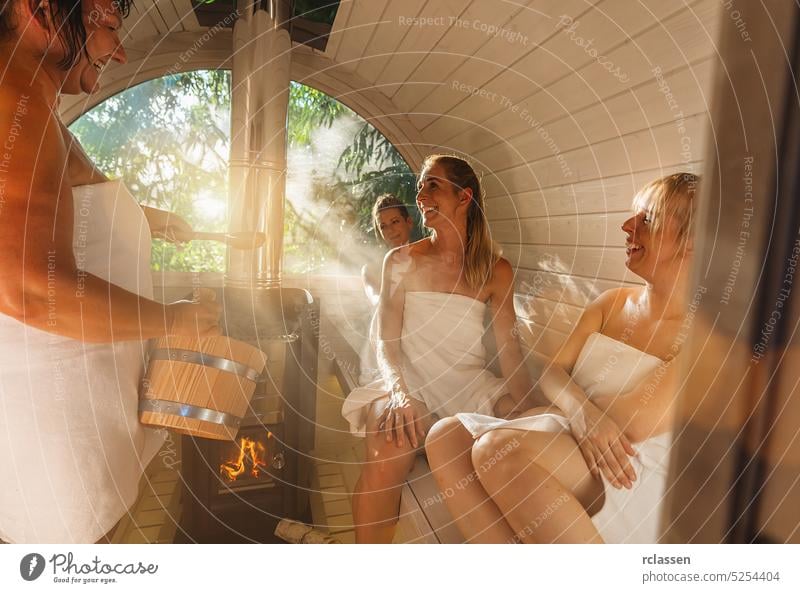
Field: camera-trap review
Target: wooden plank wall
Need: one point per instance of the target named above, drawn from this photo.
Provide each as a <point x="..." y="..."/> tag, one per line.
<point x="151" y="21"/>
<point x="566" y="113"/>
<point x="563" y="143"/>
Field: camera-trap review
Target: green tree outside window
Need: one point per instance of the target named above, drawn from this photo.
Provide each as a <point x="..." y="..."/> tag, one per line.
<point x="168" y="140"/>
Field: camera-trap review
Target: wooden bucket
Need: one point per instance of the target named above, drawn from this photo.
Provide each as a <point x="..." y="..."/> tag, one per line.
<point x="201" y="387"/>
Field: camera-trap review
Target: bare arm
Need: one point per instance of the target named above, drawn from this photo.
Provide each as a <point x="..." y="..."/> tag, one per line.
<point x="556" y="382"/>
<point x="504" y="321"/>
<point x="401" y="418"/>
<point x="641" y="413"/>
<point x="40" y="284"/>
<point x="390" y="320"/>
<point x="372" y="284"/>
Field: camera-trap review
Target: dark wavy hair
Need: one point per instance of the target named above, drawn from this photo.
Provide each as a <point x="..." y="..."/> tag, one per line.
<point x="68" y="19"/>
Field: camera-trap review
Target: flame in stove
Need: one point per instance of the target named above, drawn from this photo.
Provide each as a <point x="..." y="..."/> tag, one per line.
<point x="251" y="460"/>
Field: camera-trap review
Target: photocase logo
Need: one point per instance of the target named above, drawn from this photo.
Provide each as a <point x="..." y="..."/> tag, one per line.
<point x="31" y="566"/>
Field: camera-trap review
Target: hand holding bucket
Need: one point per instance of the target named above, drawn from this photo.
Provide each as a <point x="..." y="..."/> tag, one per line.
<point x="197" y="318"/>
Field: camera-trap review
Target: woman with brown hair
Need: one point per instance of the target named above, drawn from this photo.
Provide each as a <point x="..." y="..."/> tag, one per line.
<point x="393" y="225"/>
<point x="433" y="301"/>
<point x="541" y="478"/>
<point x="76" y="290"/>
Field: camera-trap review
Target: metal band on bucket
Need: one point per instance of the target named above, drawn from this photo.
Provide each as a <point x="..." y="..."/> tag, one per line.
<point x="170" y="408"/>
<point x="216" y="362"/>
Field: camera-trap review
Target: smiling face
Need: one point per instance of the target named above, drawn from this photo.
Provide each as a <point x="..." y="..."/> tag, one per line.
<point x="650" y="253"/>
<point x="393" y="227"/>
<point x="102" y="21"/>
<point x="439" y="201"/>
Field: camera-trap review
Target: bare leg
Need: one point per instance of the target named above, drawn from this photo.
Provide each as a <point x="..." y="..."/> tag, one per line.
<point x="540" y="482"/>
<point x="376" y="497"/>
<point x="449" y="448"/>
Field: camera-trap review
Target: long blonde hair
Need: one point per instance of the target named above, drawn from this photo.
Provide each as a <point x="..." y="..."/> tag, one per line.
<point x="480" y="252"/>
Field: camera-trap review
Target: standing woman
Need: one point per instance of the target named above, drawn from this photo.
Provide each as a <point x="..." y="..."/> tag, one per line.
<point x="434" y="297"/>
<point x="75" y="288"/>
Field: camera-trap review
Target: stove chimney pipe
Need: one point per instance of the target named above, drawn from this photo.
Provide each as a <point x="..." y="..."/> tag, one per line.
<point x="257" y="169"/>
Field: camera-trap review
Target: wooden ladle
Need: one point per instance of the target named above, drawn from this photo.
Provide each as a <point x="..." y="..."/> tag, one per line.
<point x="238" y="240"/>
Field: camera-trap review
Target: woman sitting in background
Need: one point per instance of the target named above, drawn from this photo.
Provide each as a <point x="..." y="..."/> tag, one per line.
<point x="393" y="225"/>
<point x="541" y="477"/>
<point x="431" y="311"/>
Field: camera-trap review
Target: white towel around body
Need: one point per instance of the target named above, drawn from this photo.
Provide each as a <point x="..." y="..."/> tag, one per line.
<point x="444" y="359"/>
<point x="607" y="366"/>
<point x="72" y="450"/>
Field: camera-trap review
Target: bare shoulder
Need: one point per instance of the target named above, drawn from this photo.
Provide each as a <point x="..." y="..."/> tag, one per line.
<point x="502" y="280"/>
<point x="17" y="76"/>
<point x="503" y="272"/>
<point x="406" y="254"/>
<point x="604" y="306"/>
<point x="501" y="284"/>
<point x="419" y="247"/>
<point x="399" y="261"/>
<point x="397" y="255"/>
<point x="33" y="145"/>
<point x="614" y="298"/>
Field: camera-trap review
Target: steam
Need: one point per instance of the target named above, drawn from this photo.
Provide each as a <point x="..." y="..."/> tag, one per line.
<point x="327" y="215"/>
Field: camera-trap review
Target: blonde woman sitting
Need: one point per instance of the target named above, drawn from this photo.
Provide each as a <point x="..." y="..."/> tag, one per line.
<point x="544" y="477"/>
<point x="434" y="296"/>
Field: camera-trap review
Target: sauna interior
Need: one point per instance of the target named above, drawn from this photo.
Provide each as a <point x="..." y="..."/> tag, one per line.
<point x="565" y="108"/>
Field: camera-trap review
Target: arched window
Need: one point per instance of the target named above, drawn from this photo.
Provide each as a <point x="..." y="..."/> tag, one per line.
<point x="168" y="139"/>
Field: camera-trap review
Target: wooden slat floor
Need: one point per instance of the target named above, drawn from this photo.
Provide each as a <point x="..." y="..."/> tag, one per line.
<point x="155" y="515"/>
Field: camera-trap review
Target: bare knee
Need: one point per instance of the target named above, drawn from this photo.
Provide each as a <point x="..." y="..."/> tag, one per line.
<point x="386" y="465"/>
<point x="496" y="455"/>
<point x="440" y="435"/>
<point x="447" y="439"/>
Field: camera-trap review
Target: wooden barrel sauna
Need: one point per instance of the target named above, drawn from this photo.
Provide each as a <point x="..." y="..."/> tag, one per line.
<point x="201" y="387"/>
